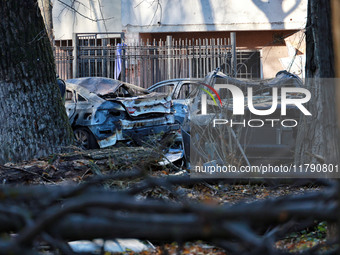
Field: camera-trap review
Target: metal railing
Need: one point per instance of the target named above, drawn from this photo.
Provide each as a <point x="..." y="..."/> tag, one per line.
<point x="63" y="57"/>
<point x="145" y="63"/>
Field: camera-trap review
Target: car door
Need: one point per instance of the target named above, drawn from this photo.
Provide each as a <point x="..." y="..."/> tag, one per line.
<point x="181" y="99"/>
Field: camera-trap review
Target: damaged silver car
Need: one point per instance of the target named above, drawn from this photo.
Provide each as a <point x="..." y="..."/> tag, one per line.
<point x="180" y="91"/>
<point x="103" y="111"/>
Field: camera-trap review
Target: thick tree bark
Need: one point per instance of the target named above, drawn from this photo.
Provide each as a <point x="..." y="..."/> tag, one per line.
<point x="46" y="12"/>
<point x="317" y="140"/>
<point x="33" y="121"/>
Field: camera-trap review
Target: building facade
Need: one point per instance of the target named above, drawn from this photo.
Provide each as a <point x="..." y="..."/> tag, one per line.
<point x="269" y="33"/>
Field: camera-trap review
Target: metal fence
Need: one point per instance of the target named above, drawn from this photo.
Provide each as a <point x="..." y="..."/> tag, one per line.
<point x="145" y="63"/>
<point x="63" y="57"/>
<point x="161" y="60"/>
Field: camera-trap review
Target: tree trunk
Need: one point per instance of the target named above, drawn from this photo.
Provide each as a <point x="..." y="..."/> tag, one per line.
<point x="317" y="140"/>
<point x="46" y="11"/>
<point x="33" y="121"/>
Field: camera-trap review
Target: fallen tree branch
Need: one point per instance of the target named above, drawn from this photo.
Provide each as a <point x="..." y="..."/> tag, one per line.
<point x="57" y="214"/>
<point x="97" y="213"/>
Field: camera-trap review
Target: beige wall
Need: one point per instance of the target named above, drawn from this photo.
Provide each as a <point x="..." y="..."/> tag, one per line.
<point x="100" y="16"/>
<point x="212" y="15"/>
<point x="270" y="57"/>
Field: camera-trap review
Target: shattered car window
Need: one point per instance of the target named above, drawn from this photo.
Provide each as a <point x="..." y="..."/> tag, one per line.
<point x="69" y="95"/>
<point x="167" y="89"/>
<point x="81" y="98"/>
<point x="186" y="91"/>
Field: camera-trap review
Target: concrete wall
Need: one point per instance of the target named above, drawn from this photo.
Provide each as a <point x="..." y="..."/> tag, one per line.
<point x="86" y="16"/>
<point x="270" y="59"/>
<point x="212" y="15"/>
<point x="147" y="16"/>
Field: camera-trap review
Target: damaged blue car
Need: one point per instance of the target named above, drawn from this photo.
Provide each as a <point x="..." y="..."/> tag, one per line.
<point x="103" y="111"/>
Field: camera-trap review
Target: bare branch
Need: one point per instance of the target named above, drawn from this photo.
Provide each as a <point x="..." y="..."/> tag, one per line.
<point x="82" y="15"/>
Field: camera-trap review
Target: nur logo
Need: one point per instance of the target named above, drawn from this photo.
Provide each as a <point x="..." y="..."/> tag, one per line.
<point x="238" y="99"/>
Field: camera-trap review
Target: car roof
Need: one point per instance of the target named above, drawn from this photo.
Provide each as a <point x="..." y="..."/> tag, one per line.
<point x="97" y="85"/>
<point x="175" y="80"/>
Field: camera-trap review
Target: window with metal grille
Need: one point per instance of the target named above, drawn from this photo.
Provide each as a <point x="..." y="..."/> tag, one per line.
<point x="248" y="64"/>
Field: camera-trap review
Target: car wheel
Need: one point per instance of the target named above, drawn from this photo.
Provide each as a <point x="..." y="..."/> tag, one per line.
<point x="85" y="138"/>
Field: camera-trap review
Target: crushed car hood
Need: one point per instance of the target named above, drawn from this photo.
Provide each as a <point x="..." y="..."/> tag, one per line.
<point x="97" y="85"/>
<point x="136" y="100"/>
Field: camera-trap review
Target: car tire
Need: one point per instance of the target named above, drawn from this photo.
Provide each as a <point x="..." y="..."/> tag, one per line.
<point x="84" y="138"/>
